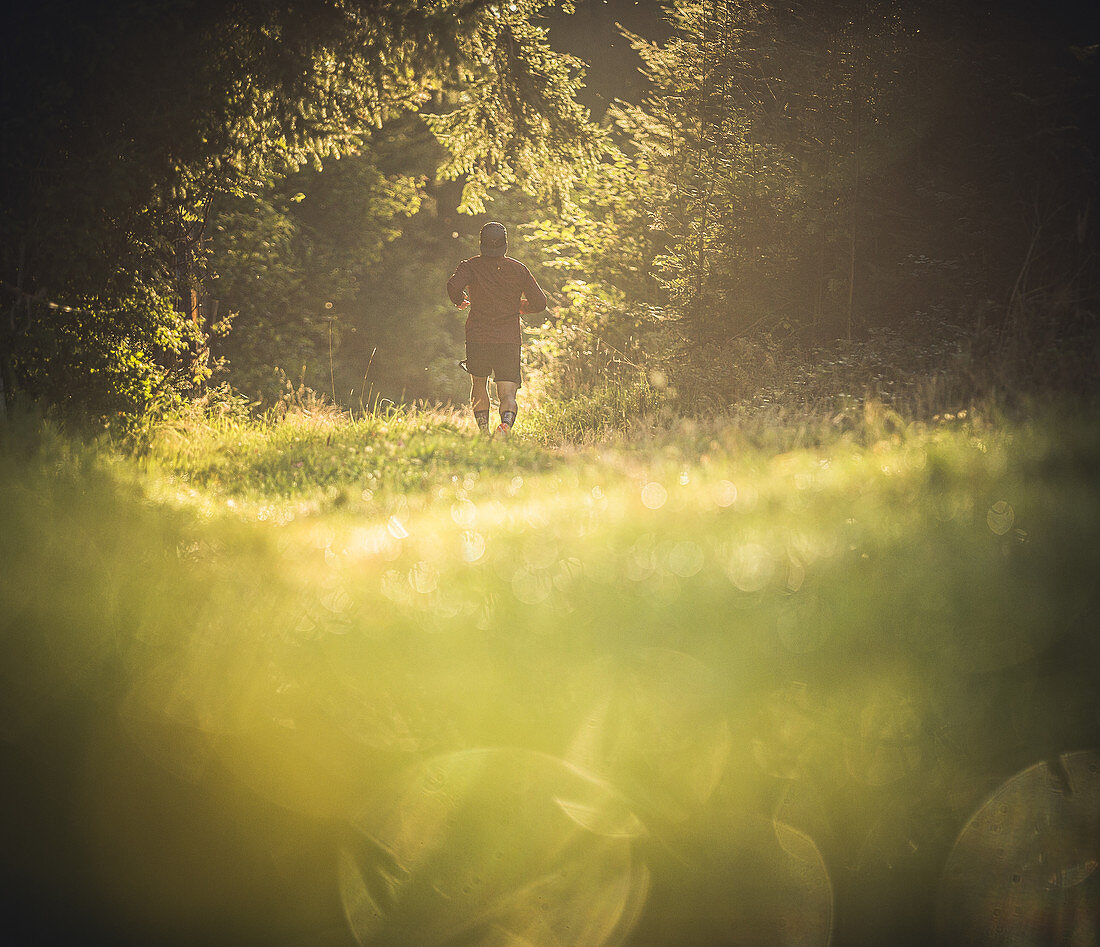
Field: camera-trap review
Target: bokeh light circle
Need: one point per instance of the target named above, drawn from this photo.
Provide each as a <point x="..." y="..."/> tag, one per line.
<point x="494" y="845"/>
<point x="1024" y="869"/>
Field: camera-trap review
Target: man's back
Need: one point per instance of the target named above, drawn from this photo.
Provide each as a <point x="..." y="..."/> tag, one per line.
<point x="495" y="285"/>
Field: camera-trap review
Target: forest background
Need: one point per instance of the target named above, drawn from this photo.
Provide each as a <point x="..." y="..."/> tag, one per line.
<point x="737" y="199"/>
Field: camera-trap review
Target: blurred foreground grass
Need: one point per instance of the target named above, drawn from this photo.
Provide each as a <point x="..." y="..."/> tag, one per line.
<point x="325" y="681"/>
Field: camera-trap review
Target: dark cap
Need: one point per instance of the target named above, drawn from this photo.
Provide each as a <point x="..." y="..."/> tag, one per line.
<point x="494" y="239"/>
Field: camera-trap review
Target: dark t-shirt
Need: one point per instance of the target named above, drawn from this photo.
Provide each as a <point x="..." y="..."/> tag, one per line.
<point x="495" y="285"/>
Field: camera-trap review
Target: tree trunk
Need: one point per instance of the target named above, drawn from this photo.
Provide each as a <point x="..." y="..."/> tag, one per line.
<point x="7" y="338"/>
<point x="3" y="385"/>
<point x="854" y="221"/>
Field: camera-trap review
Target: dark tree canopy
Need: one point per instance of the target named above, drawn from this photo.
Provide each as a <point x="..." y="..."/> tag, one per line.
<point x="121" y="122"/>
<point x="813" y="172"/>
<point x="802" y="169"/>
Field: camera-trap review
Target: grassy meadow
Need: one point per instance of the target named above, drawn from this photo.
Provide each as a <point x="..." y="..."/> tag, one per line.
<point x="335" y="680"/>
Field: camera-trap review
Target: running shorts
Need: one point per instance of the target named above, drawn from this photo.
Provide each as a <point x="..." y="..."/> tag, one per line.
<point x="499" y="359"/>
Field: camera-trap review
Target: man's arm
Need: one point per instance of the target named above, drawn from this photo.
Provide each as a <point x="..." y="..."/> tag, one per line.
<point x="456" y="285"/>
<point x="534" y="299"/>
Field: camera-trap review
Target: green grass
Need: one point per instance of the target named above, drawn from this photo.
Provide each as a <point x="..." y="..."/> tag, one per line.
<point x="319" y="679"/>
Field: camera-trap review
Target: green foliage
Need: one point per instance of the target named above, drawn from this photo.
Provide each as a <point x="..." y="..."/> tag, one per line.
<point x="761" y="132"/>
<point x="601" y="246"/>
<point x="125" y="128"/>
<point x="516" y="121"/>
<point x="787" y="179"/>
<point x="404" y="337"/>
<point x="105" y="365"/>
<point x="122" y="124"/>
<point x="723" y="666"/>
<point x="595" y="414"/>
<point x="287" y="266"/>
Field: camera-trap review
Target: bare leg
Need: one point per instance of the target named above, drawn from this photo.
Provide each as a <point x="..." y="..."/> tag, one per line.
<point x="479" y="401"/>
<point x="506" y="391"/>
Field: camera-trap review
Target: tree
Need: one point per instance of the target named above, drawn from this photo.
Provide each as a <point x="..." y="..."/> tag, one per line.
<point x="286" y="267"/>
<point x="515" y="119"/>
<point x="758" y="131"/>
<point x="122" y="124"/>
<point x="813" y="171"/>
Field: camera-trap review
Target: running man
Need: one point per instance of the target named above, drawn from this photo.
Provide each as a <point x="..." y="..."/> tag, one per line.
<point x="497" y="289"/>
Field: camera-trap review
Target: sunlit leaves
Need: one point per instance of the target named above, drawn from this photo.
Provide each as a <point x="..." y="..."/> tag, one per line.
<point x="159" y="108"/>
<point x="515" y="120"/>
<point x="289" y="263"/>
